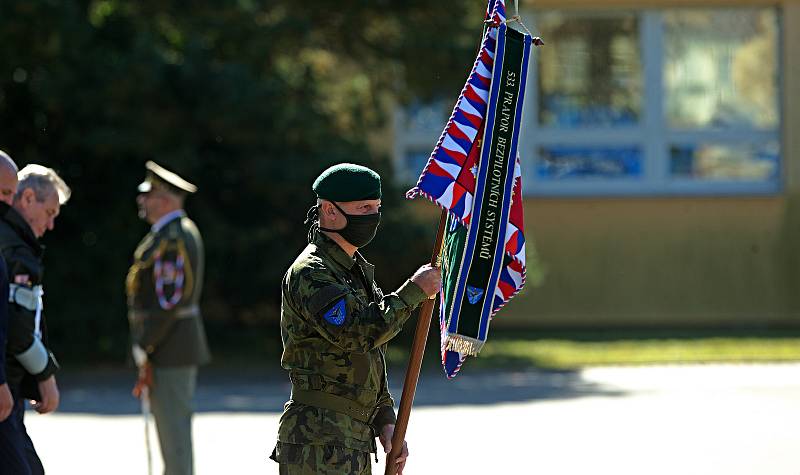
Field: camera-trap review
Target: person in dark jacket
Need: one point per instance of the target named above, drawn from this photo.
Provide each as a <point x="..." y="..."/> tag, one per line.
<point x="163" y="287"/>
<point x="8" y="187"/>
<point x="30" y="365"/>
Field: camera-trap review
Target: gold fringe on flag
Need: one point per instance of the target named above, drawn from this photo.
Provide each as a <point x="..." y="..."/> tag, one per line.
<point x="463" y="344"/>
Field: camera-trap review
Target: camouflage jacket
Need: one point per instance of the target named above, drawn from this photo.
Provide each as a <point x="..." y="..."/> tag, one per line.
<point x="163" y="287"/>
<point x="335" y="323"/>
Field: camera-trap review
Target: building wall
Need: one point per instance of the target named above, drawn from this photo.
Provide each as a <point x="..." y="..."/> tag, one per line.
<point x="662" y="261"/>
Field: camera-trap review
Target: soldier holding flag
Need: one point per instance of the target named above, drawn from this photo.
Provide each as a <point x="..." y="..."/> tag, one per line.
<point x="335" y="324"/>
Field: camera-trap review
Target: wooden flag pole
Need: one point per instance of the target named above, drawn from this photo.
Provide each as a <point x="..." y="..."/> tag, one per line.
<point x="414" y="362"/>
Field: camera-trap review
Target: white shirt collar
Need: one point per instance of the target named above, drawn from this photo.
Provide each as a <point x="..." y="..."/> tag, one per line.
<point x="178" y="213"/>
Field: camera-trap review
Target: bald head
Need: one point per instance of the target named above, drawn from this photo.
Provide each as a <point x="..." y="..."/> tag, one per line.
<point x="8" y="178"/>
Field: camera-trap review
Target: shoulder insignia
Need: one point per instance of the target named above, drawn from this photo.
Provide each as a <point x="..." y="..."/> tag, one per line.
<point x="319" y="298"/>
<point x="336" y="314"/>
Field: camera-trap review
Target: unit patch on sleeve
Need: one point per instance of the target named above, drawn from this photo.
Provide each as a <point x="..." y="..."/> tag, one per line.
<point x="336" y="314"/>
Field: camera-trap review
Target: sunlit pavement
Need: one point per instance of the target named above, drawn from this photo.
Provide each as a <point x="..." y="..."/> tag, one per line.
<point x="710" y="419"/>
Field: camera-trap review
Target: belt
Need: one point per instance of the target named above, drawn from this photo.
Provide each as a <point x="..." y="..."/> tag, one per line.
<point x="333" y="402"/>
<point x="25" y="297"/>
<point x="191" y="311"/>
<point x="188" y="312"/>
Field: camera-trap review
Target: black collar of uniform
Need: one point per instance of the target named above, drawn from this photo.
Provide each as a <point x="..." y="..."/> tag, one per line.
<point x="335" y="252"/>
<point x="20" y="226"/>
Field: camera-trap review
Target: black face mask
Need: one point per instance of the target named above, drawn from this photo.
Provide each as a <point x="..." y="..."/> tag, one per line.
<point x="360" y="228"/>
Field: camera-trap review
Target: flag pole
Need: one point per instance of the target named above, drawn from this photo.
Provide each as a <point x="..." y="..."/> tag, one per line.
<point x="414" y="361"/>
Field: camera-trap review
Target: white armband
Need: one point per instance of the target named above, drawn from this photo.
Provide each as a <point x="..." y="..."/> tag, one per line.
<point x="35" y="358"/>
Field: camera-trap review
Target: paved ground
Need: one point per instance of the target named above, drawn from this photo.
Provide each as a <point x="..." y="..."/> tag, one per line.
<point x="704" y="420"/>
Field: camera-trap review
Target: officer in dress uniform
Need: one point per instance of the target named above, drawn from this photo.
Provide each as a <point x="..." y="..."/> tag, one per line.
<point x="335" y="324"/>
<point x="30" y="365"/>
<point x="163" y="286"/>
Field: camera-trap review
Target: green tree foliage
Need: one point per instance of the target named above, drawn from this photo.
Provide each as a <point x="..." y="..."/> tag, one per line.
<point x="248" y="99"/>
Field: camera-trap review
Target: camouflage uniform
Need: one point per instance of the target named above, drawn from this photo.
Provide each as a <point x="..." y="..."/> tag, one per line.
<point x="335" y="323"/>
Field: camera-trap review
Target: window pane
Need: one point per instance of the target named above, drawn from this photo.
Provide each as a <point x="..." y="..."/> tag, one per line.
<point x="720" y="67"/>
<point x="426" y="117"/>
<point x="590" y="71"/>
<point x="560" y="162"/>
<point x="413" y="163"/>
<point x="725" y="162"/>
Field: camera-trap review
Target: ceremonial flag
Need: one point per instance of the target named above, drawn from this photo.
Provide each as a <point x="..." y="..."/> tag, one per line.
<point x="474" y="173"/>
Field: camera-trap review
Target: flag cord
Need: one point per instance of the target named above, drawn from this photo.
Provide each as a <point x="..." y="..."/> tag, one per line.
<point x="518" y="19"/>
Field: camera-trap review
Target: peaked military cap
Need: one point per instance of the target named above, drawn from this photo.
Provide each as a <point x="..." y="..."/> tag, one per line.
<point x="159" y="177"/>
<point x="348" y="182"/>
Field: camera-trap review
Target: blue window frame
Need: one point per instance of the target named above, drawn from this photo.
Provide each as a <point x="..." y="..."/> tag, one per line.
<point x="642" y="102"/>
<point x="558" y="162"/>
<point x="694" y="90"/>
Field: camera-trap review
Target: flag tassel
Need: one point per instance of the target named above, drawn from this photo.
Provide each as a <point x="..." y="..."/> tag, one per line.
<point x="463" y="344"/>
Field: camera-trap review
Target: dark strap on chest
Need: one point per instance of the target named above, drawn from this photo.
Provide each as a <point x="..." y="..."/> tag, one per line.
<point x="359" y="272"/>
<point x="333" y="402"/>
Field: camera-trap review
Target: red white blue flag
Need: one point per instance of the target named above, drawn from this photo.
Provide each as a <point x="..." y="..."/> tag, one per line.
<point x="474" y="173"/>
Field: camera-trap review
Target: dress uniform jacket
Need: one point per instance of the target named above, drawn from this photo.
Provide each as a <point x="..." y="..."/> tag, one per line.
<point x="335" y="323"/>
<point x="163" y="286"/>
<point x="27" y="328"/>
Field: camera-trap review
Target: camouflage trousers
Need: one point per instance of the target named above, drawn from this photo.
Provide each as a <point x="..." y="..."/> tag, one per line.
<point x="296" y="459"/>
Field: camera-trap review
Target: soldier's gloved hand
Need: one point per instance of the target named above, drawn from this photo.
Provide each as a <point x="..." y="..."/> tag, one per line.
<point x="429" y="279"/>
<point x="145" y="380"/>
<point x="386" y="440"/>
<point x="139" y="355"/>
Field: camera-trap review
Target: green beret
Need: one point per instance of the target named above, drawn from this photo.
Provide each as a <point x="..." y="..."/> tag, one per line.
<point x="348" y="182"/>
